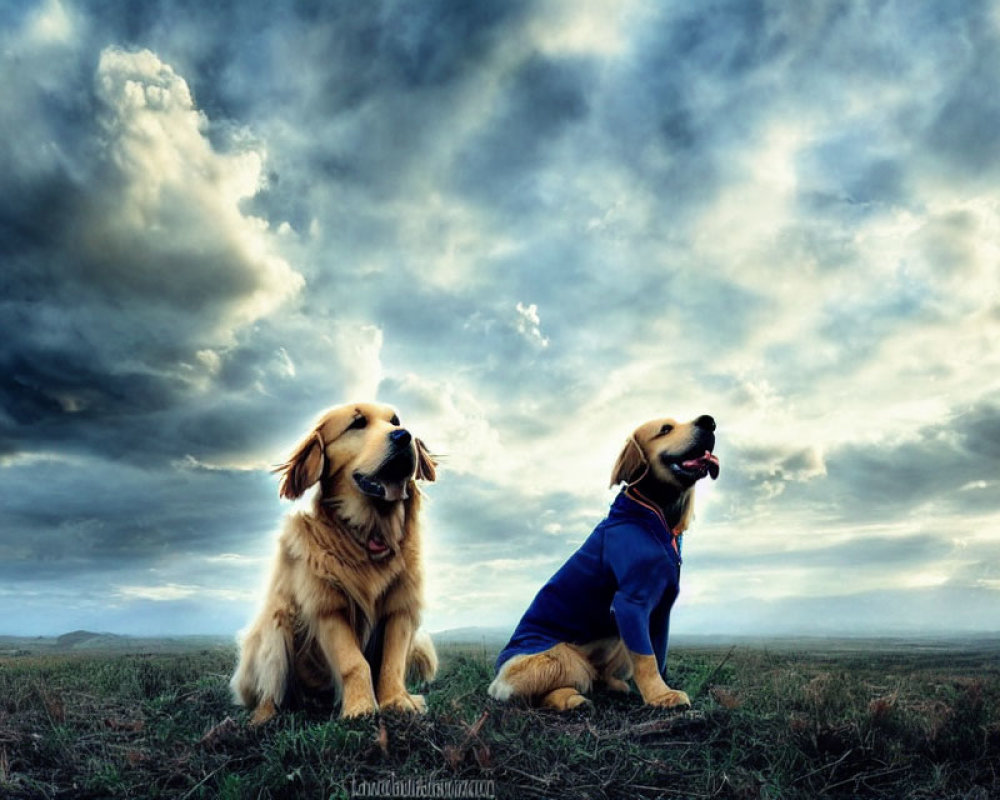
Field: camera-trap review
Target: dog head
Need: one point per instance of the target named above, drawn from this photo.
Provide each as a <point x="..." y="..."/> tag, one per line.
<point x="365" y="463"/>
<point x="668" y="458"/>
<point x="675" y="454"/>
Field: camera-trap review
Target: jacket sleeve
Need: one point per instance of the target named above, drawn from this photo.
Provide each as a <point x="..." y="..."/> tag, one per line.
<point x="637" y="562"/>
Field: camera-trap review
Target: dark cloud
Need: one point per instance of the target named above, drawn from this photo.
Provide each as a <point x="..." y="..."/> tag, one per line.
<point x="927" y="471"/>
<point x="921" y="611"/>
<point x="128" y="263"/>
<point x="861" y="165"/>
<point x="368" y="83"/>
<point x="895" y="554"/>
<point x="935" y="471"/>
<point x="696" y="86"/>
<point x="101" y="516"/>
<point x="979" y="429"/>
<point x="397" y="45"/>
<point x="540" y="102"/>
<point x="219" y="219"/>
<point x="963" y="133"/>
<point x="472" y="515"/>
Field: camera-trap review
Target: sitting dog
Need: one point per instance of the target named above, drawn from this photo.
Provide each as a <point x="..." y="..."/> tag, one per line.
<point x="605" y="614"/>
<point x="345" y="596"/>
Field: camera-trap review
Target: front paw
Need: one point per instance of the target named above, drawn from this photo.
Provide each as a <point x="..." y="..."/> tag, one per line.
<point x="264" y="713"/>
<point x="358" y="707"/>
<point x="406" y="702"/>
<point x="671" y="698"/>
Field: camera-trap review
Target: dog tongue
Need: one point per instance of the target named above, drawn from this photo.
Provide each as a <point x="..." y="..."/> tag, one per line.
<point x="377" y="545"/>
<point x="706" y="463"/>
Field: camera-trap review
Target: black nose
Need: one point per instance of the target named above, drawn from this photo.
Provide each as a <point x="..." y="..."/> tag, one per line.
<point x="400" y="437"/>
<point x="705" y="422"/>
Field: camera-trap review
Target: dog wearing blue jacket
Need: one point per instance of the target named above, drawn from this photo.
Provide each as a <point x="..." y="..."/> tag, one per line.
<point x="605" y="615"/>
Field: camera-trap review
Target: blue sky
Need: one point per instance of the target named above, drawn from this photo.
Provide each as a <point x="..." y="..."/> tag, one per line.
<point x="530" y="226"/>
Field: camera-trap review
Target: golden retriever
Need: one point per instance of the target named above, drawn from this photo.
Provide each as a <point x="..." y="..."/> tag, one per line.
<point x="344" y="601"/>
<point x="605" y="614"/>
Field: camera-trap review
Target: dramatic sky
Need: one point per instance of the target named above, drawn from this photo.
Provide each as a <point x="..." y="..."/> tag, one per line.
<point x="529" y="226"/>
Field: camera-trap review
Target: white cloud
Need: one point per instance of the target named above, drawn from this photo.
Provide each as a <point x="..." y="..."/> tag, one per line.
<point x="357" y="352"/>
<point x="454" y="423"/>
<point x="169" y="227"/>
<point x="236" y="559"/>
<point x="529" y="324"/>
<point x="498" y="589"/>
<point x="607" y="211"/>
<point x="164" y="593"/>
<point x="50" y="23"/>
<point x="287" y="366"/>
<point x="246" y="464"/>
<point x="172" y="592"/>
<point x="597" y="27"/>
<point x="448" y="242"/>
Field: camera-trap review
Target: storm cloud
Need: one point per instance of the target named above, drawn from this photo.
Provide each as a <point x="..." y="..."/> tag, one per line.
<point x="530" y="226"/>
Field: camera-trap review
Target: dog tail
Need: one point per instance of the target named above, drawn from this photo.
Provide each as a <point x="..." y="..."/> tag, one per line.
<point x="423" y="661"/>
<point x="262" y="675"/>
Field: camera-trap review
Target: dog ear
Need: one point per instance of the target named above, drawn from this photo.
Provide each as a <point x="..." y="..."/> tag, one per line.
<point x="303" y="468"/>
<point x="631" y="464"/>
<point x="426" y="465"/>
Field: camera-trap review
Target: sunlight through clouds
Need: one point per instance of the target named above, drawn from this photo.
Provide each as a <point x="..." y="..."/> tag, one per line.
<point x="529" y="226"/>
<point x="176" y="201"/>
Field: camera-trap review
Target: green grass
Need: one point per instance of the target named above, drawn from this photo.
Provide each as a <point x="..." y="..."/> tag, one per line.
<point x="765" y="724"/>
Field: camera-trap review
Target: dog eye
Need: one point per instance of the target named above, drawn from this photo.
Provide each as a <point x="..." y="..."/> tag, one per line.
<point x="357" y="424"/>
<point x="395" y="419"/>
<point x="666" y="429"/>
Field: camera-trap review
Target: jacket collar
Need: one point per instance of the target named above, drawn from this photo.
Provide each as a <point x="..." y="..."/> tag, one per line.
<point x="631" y="502"/>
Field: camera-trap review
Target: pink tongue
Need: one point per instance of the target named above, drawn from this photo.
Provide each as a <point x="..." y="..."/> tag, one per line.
<point x="707" y="462"/>
<point x="376" y="546"/>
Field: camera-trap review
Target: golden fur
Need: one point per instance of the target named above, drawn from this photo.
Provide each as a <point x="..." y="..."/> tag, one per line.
<point x="559" y="677"/>
<point x="347" y="571"/>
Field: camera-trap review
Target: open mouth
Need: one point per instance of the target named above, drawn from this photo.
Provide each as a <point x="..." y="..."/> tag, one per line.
<point x="376" y="546"/>
<point x="389" y="481"/>
<point x="691" y="468"/>
<point x="380" y="488"/>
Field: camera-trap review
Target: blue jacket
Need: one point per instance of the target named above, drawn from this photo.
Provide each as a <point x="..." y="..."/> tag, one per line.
<point x="621" y="582"/>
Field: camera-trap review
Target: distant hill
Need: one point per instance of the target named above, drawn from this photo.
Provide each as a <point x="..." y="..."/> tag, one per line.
<point x="87" y="639"/>
<point x="497" y="637"/>
<point x="91" y="642"/>
<point x="491" y="637"/>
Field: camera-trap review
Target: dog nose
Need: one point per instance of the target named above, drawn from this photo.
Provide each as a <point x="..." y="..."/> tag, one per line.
<point x="705" y="422"/>
<point x="400" y="437"/>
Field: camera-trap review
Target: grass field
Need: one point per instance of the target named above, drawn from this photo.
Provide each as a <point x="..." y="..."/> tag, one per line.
<point x="771" y="723"/>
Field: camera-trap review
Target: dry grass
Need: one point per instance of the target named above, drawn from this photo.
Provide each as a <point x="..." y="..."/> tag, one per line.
<point x="764" y="725"/>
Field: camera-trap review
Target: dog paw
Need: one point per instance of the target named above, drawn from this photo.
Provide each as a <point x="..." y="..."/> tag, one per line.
<point x="566" y="699"/>
<point x="358" y="708"/>
<point x="671" y="698"/>
<point x="264" y="713"/>
<point x="405" y="702"/>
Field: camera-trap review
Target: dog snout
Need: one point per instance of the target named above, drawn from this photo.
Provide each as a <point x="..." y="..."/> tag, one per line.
<point x="705" y="422"/>
<point x="400" y="437"/>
